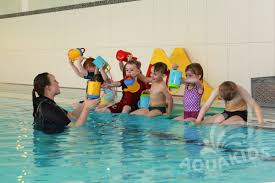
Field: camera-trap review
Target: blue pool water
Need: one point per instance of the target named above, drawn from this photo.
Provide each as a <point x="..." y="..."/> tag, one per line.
<point x="124" y="148"/>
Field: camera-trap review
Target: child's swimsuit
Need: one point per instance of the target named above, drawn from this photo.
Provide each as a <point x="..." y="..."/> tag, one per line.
<point x="235" y="107"/>
<point x="228" y="114"/>
<point x="128" y="98"/>
<point x="162" y="109"/>
<point x="191" y="102"/>
<point x="93" y="76"/>
<point x="190" y="114"/>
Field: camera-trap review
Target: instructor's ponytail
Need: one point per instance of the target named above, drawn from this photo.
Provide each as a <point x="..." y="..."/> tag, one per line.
<point x="39" y="84"/>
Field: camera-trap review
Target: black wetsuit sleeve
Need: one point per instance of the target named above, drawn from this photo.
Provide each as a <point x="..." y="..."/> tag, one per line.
<point x="54" y="117"/>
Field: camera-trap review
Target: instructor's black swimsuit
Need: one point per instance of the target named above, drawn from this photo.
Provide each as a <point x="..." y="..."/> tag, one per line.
<point x="48" y="116"/>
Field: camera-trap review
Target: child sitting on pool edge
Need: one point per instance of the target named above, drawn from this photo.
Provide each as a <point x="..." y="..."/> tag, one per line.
<point x="161" y="101"/>
<point x="130" y="93"/>
<point x="88" y="70"/>
<point x="109" y="93"/>
<point x="193" y="91"/>
<point x="236" y="99"/>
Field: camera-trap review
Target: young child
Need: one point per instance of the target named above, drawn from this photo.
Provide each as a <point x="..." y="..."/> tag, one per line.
<point x="122" y="65"/>
<point x="236" y="99"/>
<point x="159" y="94"/>
<point x="193" y="92"/>
<point x="88" y="70"/>
<point x="131" y="93"/>
<point x="109" y="93"/>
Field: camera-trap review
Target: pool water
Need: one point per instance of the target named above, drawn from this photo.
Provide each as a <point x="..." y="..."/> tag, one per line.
<point x="125" y="148"/>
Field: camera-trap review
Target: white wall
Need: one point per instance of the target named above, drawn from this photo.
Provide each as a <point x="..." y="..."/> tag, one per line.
<point x="232" y="39"/>
<point x="7" y="7"/>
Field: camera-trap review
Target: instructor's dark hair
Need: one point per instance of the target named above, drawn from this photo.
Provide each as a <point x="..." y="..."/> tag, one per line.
<point x="39" y="84"/>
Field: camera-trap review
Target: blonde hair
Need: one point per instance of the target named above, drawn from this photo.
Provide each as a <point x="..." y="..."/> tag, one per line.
<point x="228" y="90"/>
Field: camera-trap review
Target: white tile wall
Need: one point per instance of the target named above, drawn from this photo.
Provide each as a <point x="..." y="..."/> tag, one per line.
<point x="197" y="31"/>
<point x="239" y="64"/>
<point x="7" y="7"/>
<point x="261" y="20"/>
<point x="232" y="39"/>
<point x="217" y="69"/>
<point x="237" y="12"/>
<point x="166" y="19"/>
<point x="216" y="21"/>
<point x="261" y="58"/>
<point x="131" y="23"/>
<point x="198" y="53"/>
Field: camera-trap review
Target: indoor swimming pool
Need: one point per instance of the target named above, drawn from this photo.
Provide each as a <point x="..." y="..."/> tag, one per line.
<point x="125" y="148"/>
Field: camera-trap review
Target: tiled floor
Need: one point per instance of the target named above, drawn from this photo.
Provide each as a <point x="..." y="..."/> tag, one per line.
<point x="71" y="95"/>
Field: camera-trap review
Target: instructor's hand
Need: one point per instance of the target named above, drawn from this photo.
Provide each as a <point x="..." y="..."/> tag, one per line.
<point x="91" y="104"/>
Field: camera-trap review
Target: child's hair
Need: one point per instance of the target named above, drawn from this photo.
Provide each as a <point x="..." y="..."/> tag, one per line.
<point x="134" y="62"/>
<point x="98" y="77"/>
<point x="228" y="90"/>
<point x="160" y="67"/>
<point x="89" y="62"/>
<point x="196" y="69"/>
<point x="131" y="62"/>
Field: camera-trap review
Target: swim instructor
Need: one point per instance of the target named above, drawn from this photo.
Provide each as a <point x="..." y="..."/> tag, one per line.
<point x="48" y="116"/>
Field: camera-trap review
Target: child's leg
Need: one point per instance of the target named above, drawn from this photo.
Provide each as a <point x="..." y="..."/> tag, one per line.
<point x="126" y="109"/>
<point x="140" y="111"/>
<point x="189" y="119"/>
<point x="115" y="108"/>
<point x="218" y="118"/>
<point x="103" y="106"/>
<point x="154" y="112"/>
<point x="233" y="120"/>
<point x="104" y="109"/>
<point x="179" y="118"/>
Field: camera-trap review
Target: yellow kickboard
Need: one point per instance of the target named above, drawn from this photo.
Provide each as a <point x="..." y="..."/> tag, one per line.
<point x="159" y="55"/>
<point x="180" y="58"/>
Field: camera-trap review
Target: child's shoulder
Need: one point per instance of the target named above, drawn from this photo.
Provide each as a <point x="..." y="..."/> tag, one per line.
<point x="161" y="85"/>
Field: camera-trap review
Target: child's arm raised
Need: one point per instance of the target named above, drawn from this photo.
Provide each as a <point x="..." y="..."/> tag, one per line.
<point x="96" y="71"/>
<point x="207" y="104"/>
<point x="103" y="73"/>
<point x="121" y="66"/>
<point x="81" y="72"/>
<point x="195" y="81"/>
<point x="252" y="103"/>
<point x="200" y="86"/>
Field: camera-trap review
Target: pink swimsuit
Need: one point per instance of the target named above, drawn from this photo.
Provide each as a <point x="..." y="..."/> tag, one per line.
<point x="191" y="102"/>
